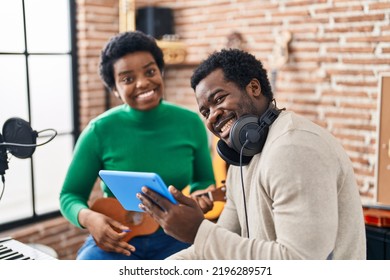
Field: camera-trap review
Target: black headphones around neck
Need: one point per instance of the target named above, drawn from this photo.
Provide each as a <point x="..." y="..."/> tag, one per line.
<point x="247" y="136"/>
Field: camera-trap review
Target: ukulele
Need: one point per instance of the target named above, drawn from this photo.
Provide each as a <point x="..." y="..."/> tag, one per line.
<point x="140" y="223"/>
<point x="280" y="53"/>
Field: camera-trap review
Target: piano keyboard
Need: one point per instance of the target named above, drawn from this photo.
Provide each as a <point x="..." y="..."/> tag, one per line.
<point x="11" y="249"/>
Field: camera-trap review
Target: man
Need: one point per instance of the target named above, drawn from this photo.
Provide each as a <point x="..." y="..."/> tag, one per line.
<point x="291" y="189"/>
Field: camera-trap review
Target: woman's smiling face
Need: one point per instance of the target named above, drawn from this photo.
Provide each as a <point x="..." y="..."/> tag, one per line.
<point x="138" y="80"/>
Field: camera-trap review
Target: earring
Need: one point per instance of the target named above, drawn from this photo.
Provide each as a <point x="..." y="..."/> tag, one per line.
<point x="117" y="95"/>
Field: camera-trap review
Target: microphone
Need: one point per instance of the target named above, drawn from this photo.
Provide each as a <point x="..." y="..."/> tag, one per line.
<point x="3" y="158"/>
<point x="19" y="139"/>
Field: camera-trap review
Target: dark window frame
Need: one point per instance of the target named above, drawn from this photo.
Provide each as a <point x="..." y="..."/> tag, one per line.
<point x="75" y="109"/>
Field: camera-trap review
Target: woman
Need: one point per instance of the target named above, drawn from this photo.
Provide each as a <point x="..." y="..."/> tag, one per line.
<point x="145" y="134"/>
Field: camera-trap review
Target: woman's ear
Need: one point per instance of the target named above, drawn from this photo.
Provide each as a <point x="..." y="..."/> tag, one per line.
<point x="254" y="88"/>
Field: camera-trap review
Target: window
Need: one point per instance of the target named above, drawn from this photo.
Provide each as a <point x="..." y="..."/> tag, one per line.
<point x="38" y="84"/>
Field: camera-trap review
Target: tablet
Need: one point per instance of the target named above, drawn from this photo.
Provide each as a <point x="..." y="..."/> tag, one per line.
<point x="126" y="184"/>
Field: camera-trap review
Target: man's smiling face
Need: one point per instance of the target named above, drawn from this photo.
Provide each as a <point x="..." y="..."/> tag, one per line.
<point x="222" y="102"/>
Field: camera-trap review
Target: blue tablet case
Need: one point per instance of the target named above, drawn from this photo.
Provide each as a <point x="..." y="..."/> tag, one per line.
<point x="126" y="184"/>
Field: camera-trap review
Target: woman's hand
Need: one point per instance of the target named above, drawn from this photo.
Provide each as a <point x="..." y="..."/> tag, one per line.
<point x="203" y="199"/>
<point x="102" y="227"/>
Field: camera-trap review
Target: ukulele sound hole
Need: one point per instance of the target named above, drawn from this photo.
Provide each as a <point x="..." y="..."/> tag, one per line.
<point x="135" y="218"/>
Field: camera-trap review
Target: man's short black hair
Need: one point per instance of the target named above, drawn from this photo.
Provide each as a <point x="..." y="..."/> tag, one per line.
<point x="238" y="66"/>
<point x="123" y="44"/>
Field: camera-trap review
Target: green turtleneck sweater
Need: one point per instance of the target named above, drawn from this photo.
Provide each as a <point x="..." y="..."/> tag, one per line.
<point x="168" y="140"/>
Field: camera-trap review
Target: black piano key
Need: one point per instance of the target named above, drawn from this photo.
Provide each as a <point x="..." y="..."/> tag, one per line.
<point x="2" y="248"/>
<point x="4" y="253"/>
<point x="8" y="254"/>
<point x="11" y="249"/>
<point x="11" y="255"/>
<point x="17" y="256"/>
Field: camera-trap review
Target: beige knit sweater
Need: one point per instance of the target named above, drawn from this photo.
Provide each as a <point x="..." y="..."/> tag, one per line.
<point x="301" y="197"/>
